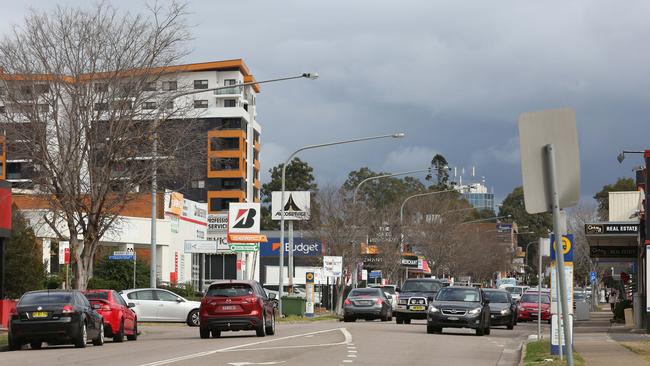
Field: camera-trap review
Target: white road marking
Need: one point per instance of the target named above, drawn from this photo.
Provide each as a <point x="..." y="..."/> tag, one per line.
<point x="255" y="363"/>
<point x="346" y="334"/>
<point x="347" y="361"/>
<point x="352" y="355"/>
<point x="352" y="351"/>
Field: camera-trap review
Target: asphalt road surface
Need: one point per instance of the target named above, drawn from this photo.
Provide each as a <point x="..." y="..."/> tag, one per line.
<point x="317" y="343"/>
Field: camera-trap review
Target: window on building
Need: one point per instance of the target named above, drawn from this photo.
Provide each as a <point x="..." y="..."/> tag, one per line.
<point x="169" y="85"/>
<point x="201" y="103"/>
<point x="101" y="87"/>
<point x="228" y="82"/>
<point x="198" y="184"/>
<point x="229" y="103"/>
<point x="150" y="86"/>
<point x="3" y="110"/>
<point x="41" y="89"/>
<point x="200" y="84"/>
<point x="224" y="143"/>
<point x="220" y="204"/>
<point x="122" y="105"/>
<point x="101" y="106"/>
<point x="169" y="105"/>
<point x="218" y="164"/>
<point x="149" y="105"/>
<point x="231" y="183"/>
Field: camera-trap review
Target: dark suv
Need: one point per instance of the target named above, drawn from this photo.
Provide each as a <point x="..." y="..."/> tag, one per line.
<point x="413" y="298"/>
<point x="236" y="305"/>
<point x="459" y="307"/>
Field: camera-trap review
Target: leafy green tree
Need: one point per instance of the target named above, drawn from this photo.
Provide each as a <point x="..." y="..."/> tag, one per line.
<point x="299" y="177"/>
<point x="25" y="270"/>
<point x="118" y="275"/>
<point x="602" y="196"/>
<point x="381" y="193"/>
<point x="440" y="168"/>
<point x="540" y="224"/>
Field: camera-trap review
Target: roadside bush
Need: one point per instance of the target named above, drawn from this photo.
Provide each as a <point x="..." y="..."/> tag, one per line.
<point x="185" y="290"/>
<point x="53" y="282"/>
<point x="118" y="275"/>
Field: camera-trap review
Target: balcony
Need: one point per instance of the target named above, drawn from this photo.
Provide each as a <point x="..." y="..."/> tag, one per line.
<point x="229" y="92"/>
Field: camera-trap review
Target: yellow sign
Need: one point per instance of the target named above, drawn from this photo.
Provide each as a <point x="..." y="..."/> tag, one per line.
<point x="566" y="245"/>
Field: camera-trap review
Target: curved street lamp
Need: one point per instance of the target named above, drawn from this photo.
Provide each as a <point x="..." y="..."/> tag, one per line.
<point x="284" y="169"/>
<point x="154" y="151"/>
<point x="354" y="195"/>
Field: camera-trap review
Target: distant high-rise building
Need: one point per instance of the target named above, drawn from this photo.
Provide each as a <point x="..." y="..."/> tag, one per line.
<point x="477" y="195"/>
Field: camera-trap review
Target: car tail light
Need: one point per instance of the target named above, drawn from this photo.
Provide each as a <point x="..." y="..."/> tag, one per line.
<point x="347" y="302"/>
<point x="68" y="309"/>
<point x="379" y="301"/>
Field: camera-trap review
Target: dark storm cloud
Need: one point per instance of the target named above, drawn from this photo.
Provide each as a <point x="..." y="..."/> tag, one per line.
<point x="453" y="75"/>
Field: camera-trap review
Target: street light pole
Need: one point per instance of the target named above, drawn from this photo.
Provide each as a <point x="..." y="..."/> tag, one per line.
<point x="284" y="170"/>
<point x="354" y="194"/>
<point x="154" y="151"/>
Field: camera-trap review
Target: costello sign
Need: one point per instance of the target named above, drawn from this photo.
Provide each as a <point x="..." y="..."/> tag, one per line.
<point x="301" y="248"/>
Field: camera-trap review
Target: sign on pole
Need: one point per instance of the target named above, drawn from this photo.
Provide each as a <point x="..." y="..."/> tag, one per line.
<point x="332" y="266"/>
<point x="309" y="294"/>
<point x="536" y="131"/>
<point x="204" y="247"/>
<point x="592" y="277"/>
<point x="64" y="252"/>
<point x="244" y="223"/>
<point x="296" y="205"/>
<point x="244" y="248"/>
<point x="218" y="228"/>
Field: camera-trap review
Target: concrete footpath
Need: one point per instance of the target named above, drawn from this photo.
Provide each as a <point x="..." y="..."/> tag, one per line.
<point x="594" y="341"/>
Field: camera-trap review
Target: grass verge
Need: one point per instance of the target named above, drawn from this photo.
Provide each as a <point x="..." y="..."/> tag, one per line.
<point x="539" y="353"/>
<point x="297" y="318"/>
<point x="641" y="348"/>
<point x="3" y="339"/>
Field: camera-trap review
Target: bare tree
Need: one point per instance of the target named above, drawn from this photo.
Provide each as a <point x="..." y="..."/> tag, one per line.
<point x="577" y="217"/>
<point x="80" y="87"/>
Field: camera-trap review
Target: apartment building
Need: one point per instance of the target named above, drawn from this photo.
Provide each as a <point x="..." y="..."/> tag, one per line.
<point x="226" y="136"/>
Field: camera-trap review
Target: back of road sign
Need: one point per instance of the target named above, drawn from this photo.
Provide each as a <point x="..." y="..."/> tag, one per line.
<point x="536" y="130"/>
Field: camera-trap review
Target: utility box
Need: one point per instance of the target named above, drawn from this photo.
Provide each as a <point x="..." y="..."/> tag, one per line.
<point x="293" y="306"/>
<point x="582" y="310"/>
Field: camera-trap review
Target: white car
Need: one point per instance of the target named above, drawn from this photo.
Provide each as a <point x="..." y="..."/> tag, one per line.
<point x="159" y="305"/>
<point x="390" y="293"/>
<point x="516" y="291"/>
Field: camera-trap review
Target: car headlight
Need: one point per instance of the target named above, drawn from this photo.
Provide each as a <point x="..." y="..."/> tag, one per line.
<point x="433" y="309"/>
<point x="505" y="311"/>
<point x="402" y="301"/>
<point x="475" y="311"/>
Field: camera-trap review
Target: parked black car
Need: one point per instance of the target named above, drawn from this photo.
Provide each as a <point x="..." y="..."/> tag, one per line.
<point x="55" y="317"/>
<point x="413" y="298"/>
<point x="503" y="308"/>
<point x="367" y="303"/>
<point x="459" y="307"/>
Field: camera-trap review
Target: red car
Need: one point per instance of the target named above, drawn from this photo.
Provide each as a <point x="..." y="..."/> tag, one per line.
<point x="119" y="319"/>
<point x="236" y="305"/>
<point x="528" y="307"/>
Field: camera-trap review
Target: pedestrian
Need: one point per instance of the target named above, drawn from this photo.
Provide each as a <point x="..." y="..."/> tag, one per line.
<point x="613" y="298"/>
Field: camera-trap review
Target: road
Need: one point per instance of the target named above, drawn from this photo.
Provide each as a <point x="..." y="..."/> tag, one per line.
<point x="315" y="343"/>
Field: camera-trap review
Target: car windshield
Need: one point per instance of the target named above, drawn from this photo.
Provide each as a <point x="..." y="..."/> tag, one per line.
<point x="96" y="295"/>
<point x="579" y="296"/>
<point x="497" y="297"/>
<point x="514" y="290"/>
<point x="360" y="292"/>
<point x="229" y="290"/>
<point x="423" y="286"/>
<point x="39" y="298"/>
<point x="388" y="289"/>
<point x="458" y="294"/>
<point x="533" y="298"/>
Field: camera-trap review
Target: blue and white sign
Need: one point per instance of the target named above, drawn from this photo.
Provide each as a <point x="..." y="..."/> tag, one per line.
<point x="374" y="274"/>
<point x="592" y="277"/>
<point x="124" y="257"/>
<point x="302" y="247"/>
<point x="567" y="245"/>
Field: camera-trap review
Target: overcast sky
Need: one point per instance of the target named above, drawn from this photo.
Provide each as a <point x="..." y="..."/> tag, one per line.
<point x="452" y="75"/>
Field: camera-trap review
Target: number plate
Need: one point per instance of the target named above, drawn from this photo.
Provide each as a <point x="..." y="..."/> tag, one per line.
<point x="492" y="316"/>
<point x="416" y="308"/>
<point x="228" y="307"/>
<point x="452" y="318"/>
<point x="39" y="314"/>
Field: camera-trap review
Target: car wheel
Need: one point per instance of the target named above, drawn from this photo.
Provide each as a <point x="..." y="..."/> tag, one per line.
<point x="36" y="344"/>
<point x="270" y="330"/>
<point x="487" y="330"/>
<point x="511" y="325"/>
<point x="399" y="319"/>
<point x="349" y="319"/>
<point x="99" y="341"/>
<point x="193" y="318"/>
<point x="14" y="344"/>
<point x="204" y="333"/>
<point x="119" y="336"/>
<point x="134" y="336"/>
<point x="261" y="328"/>
<point x="431" y="329"/>
<point x="216" y="333"/>
<point x="407" y="320"/>
<point x="82" y="338"/>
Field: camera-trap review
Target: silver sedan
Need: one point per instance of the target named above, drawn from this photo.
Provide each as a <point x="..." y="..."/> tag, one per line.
<point x="367" y="303"/>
